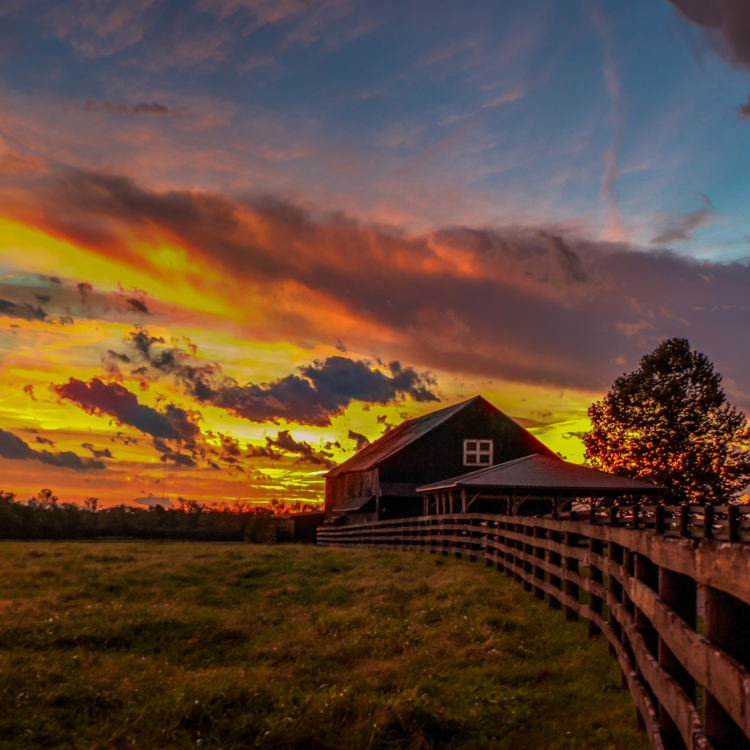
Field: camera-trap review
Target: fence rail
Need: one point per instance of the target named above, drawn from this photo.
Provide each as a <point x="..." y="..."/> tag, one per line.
<point x="669" y="587"/>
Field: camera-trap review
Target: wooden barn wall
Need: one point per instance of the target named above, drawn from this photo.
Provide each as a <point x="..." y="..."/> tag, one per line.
<point x="353" y="484"/>
<point x="439" y="454"/>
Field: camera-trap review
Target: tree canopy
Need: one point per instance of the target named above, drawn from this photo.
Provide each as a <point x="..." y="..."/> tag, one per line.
<point x="669" y="422"/>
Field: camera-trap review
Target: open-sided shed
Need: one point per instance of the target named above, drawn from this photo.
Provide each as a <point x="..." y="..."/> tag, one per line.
<point x="532" y="485"/>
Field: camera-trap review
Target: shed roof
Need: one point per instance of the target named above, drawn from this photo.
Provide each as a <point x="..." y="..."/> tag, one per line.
<point x="356" y="503"/>
<point x="399" y="437"/>
<point x="543" y="472"/>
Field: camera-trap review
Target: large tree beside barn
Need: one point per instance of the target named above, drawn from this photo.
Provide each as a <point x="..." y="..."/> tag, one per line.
<point x="669" y="422"/>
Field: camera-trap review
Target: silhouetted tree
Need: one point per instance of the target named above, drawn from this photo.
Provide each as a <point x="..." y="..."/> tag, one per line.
<point x="91" y="503"/>
<point x="669" y="422"/>
<point x="46" y="497"/>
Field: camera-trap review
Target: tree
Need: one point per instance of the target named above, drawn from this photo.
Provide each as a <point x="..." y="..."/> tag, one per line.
<point x="46" y="497"/>
<point x="91" y="503"/>
<point x="669" y="422"/>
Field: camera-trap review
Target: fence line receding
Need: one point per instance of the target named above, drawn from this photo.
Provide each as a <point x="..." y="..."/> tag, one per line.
<point x="639" y="575"/>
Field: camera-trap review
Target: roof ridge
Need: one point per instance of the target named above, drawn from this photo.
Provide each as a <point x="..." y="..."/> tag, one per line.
<point x="435" y="418"/>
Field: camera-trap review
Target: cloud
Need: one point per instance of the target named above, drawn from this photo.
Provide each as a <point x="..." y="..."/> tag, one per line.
<point x="285" y="442"/>
<point x="12" y="447"/>
<point x="730" y="18"/>
<point x="683" y="226"/>
<point x="116" y="401"/>
<point x="29" y="390"/>
<point x="43" y="441"/>
<point x="151" y="501"/>
<point x="34" y="297"/>
<point x="744" y="109"/>
<point x="142" y="108"/>
<point x="570" y="263"/>
<point x="137" y="305"/>
<point x="503" y="302"/>
<point x="362" y="441"/>
<point x="321" y="391"/>
<point x="22" y="312"/>
<point x="103" y="453"/>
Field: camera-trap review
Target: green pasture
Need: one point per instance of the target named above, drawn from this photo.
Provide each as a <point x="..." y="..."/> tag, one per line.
<point x="201" y="645"/>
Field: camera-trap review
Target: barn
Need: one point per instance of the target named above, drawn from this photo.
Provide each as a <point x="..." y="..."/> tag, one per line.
<point x="381" y="480"/>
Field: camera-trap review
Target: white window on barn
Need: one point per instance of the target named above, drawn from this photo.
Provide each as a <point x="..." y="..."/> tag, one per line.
<point x="477" y="453"/>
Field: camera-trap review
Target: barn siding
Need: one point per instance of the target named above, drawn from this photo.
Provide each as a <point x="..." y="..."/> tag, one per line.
<point x="352" y="484"/>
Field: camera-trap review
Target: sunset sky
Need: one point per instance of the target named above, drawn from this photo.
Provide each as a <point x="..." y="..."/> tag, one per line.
<point x="239" y="238"/>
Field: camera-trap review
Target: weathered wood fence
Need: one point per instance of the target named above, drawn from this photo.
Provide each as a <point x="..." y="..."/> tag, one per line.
<point x="639" y="575"/>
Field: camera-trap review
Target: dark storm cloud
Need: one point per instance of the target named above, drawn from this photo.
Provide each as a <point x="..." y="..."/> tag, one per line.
<point x="116" y="401"/>
<point x="12" y="447"/>
<point x="323" y="390"/>
<point x="730" y="18"/>
<point x="45" y="441"/>
<point x="518" y="306"/>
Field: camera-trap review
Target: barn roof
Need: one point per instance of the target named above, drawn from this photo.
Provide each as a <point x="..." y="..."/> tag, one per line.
<point x="399" y="437"/>
<point x="543" y="472"/>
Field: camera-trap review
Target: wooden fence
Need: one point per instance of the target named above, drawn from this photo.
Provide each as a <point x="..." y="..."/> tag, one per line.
<point x="669" y="587"/>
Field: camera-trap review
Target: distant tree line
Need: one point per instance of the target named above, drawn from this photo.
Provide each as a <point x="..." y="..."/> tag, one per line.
<point x="44" y="517"/>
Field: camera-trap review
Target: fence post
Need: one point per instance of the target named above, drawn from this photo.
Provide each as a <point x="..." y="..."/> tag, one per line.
<point x="555" y="559"/>
<point x="596" y="547"/>
<point x="684" y="520"/>
<point x="571" y="588"/>
<point x="539" y="533"/>
<point x="708" y="521"/>
<point x="528" y="550"/>
<point x="733" y="526"/>
<point x="615" y="587"/>
<point x="679" y="592"/>
<point x="499" y="540"/>
<point x="724" y="616"/>
<point x="518" y="545"/>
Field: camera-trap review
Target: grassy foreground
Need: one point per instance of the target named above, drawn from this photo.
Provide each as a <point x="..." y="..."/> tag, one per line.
<point x="148" y="645"/>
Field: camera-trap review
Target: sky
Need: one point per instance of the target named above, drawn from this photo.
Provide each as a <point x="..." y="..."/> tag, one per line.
<point x="241" y="238"/>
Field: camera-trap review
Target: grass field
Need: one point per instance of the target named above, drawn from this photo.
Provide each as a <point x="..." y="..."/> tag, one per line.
<point x="148" y="645"/>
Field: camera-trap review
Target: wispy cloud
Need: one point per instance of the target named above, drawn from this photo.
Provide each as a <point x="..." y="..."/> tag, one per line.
<point x="608" y="191"/>
<point x="681" y="227"/>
